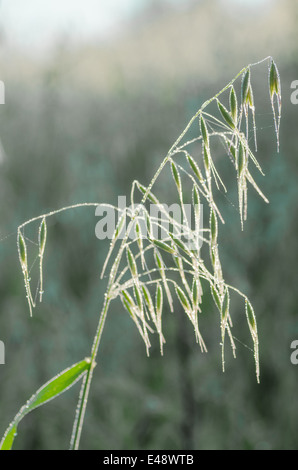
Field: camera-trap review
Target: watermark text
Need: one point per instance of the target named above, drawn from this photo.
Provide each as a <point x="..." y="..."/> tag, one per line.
<point x="294" y="355"/>
<point x="2" y="353"/>
<point x="184" y="221"/>
<point x="2" y="92"/>
<point x="294" y="94"/>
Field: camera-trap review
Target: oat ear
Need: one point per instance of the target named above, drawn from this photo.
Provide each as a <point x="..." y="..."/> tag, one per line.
<point x="42" y="238"/>
<point x="227" y="116"/>
<point x="22" y="250"/>
<point x="275" y="97"/>
<point x="204" y="132"/>
<point x="251" y="319"/>
<point x="173" y="264"/>
<point x="234" y="105"/>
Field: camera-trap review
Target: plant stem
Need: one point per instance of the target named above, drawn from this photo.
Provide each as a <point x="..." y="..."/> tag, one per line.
<point x="81" y="409"/>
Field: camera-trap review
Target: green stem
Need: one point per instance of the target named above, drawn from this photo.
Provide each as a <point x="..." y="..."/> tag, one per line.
<point x="81" y="409"/>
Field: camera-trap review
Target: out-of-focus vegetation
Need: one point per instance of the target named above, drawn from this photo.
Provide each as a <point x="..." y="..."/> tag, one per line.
<point x="80" y="125"/>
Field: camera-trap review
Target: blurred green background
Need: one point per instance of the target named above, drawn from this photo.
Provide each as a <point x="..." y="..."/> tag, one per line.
<point x="83" y="118"/>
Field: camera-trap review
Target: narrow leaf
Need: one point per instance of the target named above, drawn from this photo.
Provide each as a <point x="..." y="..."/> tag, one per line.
<point x="55" y="387"/>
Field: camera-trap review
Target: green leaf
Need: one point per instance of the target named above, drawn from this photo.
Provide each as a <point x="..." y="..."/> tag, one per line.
<point x="55" y="387"/>
<point x="7" y="441"/>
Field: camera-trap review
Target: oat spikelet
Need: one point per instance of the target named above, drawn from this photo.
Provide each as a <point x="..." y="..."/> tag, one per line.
<point x="252" y="323"/>
<point x="22" y="250"/>
<point x="42" y="238"/>
<point x="275" y="94"/>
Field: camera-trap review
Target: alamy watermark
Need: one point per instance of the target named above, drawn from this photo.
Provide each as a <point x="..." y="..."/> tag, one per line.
<point x="2" y="353"/>
<point x="175" y="218"/>
<point x="2" y="92"/>
<point x="294" y="94"/>
<point x="294" y="355"/>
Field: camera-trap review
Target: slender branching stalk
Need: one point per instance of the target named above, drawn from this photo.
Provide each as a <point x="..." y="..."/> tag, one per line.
<point x="147" y="271"/>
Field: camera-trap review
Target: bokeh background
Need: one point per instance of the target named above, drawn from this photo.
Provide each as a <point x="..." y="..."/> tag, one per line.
<point x="96" y="93"/>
